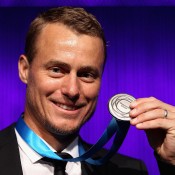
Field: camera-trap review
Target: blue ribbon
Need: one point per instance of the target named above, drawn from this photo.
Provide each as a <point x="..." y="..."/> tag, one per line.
<point x="117" y="127"/>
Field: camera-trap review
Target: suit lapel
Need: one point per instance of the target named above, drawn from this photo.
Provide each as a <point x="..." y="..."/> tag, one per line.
<point x="89" y="169"/>
<point x="86" y="169"/>
<point x="9" y="153"/>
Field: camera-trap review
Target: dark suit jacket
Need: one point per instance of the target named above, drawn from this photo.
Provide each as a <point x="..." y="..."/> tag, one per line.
<point x="118" y="165"/>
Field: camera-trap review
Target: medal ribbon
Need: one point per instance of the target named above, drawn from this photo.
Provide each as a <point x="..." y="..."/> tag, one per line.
<point x="116" y="127"/>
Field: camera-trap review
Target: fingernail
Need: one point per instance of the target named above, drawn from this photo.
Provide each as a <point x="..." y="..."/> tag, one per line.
<point x="134" y="120"/>
<point x="139" y="125"/>
<point x="133" y="104"/>
<point x="133" y="112"/>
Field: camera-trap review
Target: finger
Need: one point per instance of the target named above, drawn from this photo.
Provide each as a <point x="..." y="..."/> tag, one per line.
<point x="159" y="123"/>
<point x="152" y="99"/>
<point x="144" y="107"/>
<point x="150" y="115"/>
<point x="141" y="100"/>
<point x="148" y="104"/>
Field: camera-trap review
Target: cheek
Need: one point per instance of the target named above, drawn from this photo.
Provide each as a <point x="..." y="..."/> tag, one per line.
<point x="37" y="94"/>
<point x="43" y="86"/>
<point x="92" y="91"/>
<point x="50" y="87"/>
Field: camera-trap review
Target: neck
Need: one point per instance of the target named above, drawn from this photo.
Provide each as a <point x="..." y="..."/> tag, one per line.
<point x="63" y="141"/>
<point x="57" y="141"/>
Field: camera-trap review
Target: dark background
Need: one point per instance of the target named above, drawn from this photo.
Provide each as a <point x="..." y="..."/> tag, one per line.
<point x="140" y="62"/>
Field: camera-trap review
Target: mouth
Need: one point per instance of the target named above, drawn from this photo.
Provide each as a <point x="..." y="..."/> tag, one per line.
<point x="67" y="107"/>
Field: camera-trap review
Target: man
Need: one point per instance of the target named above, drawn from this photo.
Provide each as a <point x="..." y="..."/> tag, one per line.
<point x="62" y="67"/>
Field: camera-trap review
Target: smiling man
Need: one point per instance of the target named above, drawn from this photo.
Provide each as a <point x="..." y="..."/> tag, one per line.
<point x="62" y="67"/>
<point x="68" y="67"/>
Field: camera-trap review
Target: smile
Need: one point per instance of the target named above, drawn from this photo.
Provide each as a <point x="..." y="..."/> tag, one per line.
<point x="66" y="107"/>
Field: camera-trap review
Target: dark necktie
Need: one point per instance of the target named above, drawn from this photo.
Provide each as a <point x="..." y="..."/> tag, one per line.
<point x="59" y="166"/>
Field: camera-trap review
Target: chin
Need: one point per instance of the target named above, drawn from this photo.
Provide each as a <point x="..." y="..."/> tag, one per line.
<point x="58" y="131"/>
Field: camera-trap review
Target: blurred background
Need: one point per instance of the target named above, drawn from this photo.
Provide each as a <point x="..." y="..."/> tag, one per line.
<point x="140" y="60"/>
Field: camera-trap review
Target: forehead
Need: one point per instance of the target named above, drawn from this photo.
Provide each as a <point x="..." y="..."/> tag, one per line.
<point x="58" y="40"/>
<point x="63" y="33"/>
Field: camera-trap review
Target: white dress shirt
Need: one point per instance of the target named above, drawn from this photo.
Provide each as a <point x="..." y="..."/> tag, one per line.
<point x="30" y="159"/>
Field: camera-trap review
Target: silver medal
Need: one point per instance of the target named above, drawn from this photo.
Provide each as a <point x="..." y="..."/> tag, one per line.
<point x="119" y="106"/>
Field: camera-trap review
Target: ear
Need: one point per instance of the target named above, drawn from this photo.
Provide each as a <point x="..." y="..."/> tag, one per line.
<point x="23" y="68"/>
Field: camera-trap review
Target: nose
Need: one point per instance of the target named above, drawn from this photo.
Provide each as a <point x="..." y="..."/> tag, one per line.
<point x="71" y="87"/>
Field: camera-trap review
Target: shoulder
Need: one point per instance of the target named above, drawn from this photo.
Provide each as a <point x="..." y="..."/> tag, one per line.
<point x="10" y="159"/>
<point x="120" y="163"/>
<point x="124" y="161"/>
<point x="7" y="134"/>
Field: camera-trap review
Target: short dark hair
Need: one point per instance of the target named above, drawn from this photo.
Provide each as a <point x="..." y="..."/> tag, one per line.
<point x="77" y="19"/>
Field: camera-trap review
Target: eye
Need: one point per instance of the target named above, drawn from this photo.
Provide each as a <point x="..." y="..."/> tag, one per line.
<point x="56" y="72"/>
<point x="55" y="69"/>
<point x="87" y="77"/>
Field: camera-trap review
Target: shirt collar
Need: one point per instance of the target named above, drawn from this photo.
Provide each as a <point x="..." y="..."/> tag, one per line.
<point x="72" y="149"/>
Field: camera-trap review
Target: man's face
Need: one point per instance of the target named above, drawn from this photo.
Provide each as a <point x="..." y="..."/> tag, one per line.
<point x="63" y="80"/>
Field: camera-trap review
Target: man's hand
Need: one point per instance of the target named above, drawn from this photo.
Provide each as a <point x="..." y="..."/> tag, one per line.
<point x="158" y="120"/>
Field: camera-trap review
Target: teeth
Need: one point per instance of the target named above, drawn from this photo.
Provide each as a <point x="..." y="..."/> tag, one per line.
<point x="66" y="107"/>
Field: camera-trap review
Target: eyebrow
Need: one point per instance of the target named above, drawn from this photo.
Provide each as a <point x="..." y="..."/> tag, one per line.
<point x="55" y="63"/>
<point x="68" y="67"/>
<point x="90" y="69"/>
